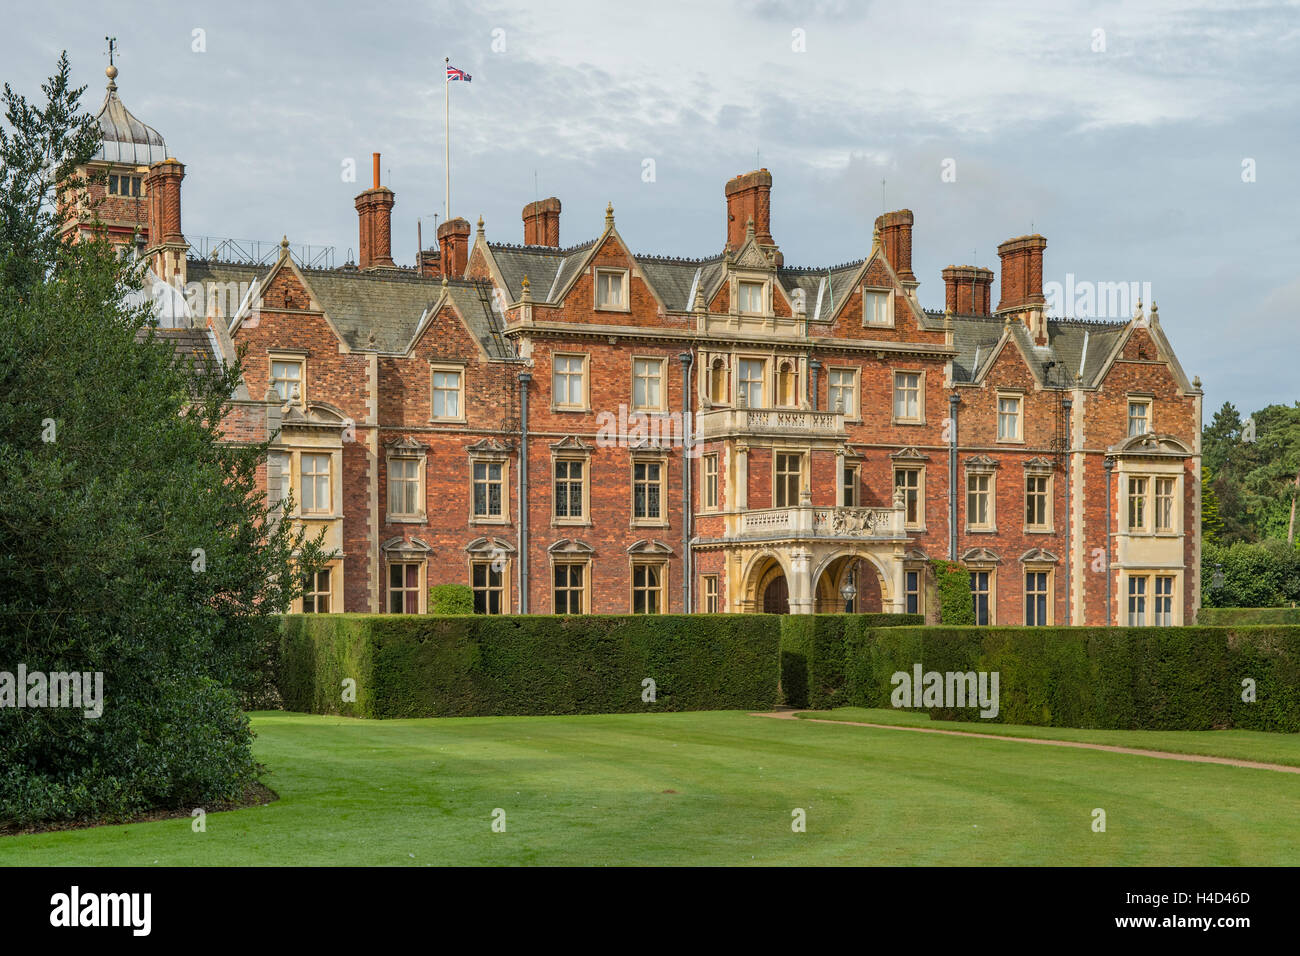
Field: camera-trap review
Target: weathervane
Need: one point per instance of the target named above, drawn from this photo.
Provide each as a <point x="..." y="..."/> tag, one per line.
<point x="112" y="48"/>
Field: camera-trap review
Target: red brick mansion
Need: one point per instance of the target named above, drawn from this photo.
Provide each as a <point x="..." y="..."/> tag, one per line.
<point x="587" y="429"/>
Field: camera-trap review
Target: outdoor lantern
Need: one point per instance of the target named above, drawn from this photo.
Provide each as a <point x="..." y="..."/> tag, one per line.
<point x="848" y="591"/>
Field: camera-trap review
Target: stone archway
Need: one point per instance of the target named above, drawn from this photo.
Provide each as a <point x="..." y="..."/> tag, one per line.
<point x="776" y="595"/>
<point x="868" y="579"/>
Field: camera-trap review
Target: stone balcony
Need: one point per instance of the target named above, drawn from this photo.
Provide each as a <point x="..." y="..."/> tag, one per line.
<point x="774" y="422"/>
<point x="807" y="522"/>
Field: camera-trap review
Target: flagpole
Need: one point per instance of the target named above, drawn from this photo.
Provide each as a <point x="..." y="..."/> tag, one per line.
<point x="446" y="89"/>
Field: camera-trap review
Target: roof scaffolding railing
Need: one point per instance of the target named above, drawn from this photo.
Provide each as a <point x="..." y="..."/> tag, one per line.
<point x="259" y="252"/>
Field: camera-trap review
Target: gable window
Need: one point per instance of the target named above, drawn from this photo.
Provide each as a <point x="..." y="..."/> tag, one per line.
<point x="751" y="298"/>
<point x="786" y="490"/>
<point x="316" y="592"/>
<point x="786" y="385"/>
<point x="487" y="580"/>
<point x="647" y="588"/>
<point x="907" y="397"/>
<point x="286" y="379"/>
<point x="710" y="489"/>
<point x="404" y="498"/>
<point x="1137" y="504"/>
<point x="570" y="488"/>
<point x="1139" y="416"/>
<point x="489" y="489"/>
<point x="611" y="289"/>
<point x="569" y="590"/>
<point x="404" y="588"/>
<point x="718" y="382"/>
<point x="751" y="382"/>
<point x="709" y="593"/>
<point x="1036" y="604"/>
<point x="316" y="484"/>
<point x="908" y="481"/>
<point x="842" y="391"/>
<point x="1038" y="502"/>
<point x="647" y="384"/>
<point x="569" y="382"/>
<point x="647" y="490"/>
<point x="447" y="394"/>
<point x="1009" y="425"/>
<point x="979" y="502"/>
<point x="981" y="589"/>
<point x="850" y="483"/>
<point x="877" y="307"/>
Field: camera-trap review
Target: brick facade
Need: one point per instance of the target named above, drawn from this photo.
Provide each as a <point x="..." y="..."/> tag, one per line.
<point x="819" y="400"/>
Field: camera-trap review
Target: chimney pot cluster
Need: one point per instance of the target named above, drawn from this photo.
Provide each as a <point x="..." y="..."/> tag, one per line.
<point x="375" y="219"/>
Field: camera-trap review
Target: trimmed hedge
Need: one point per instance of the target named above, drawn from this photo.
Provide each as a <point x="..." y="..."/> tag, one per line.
<point x="451" y="599"/>
<point x="952" y="583"/>
<point x="490" y="665"/>
<point x="813" y="653"/>
<point x="1141" y="678"/>
<point x="1229" y="616"/>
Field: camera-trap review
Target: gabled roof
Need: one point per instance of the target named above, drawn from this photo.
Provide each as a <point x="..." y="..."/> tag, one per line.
<point x="1073" y="344"/>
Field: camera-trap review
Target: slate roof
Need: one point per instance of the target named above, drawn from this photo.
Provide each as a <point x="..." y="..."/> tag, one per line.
<point x="975" y="337"/>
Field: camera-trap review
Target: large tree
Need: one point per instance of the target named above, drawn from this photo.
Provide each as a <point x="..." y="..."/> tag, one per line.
<point x="134" y="542"/>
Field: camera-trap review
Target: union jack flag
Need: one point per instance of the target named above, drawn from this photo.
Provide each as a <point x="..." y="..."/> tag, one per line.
<point x="455" y="74"/>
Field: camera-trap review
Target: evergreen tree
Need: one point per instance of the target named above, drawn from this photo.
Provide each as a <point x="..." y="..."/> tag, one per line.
<point x="134" y="543"/>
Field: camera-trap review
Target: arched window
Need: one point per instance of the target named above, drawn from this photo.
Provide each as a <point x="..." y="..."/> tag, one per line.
<point x="785" y="384"/>
<point x="718" y="382"/>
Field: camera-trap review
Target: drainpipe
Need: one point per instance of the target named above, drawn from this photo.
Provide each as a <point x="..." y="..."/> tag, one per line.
<point x="1066" y="405"/>
<point x="686" y="359"/>
<point x="953" y="402"/>
<point x="524" y="379"/>
<point x="1108" y="464"/>
<point x="814" y="367"/>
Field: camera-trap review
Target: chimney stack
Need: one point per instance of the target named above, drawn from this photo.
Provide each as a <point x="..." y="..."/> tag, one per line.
<point x="453" y="241"/>
<point x="968" y="289"/>
<point x="167" y="245"/>
<point x="542" y="223"/>
<point x="375" y="216"/>
<point x="749" y="195"/>
<point x="1022" y="272"/>
<point x="896" y="238"/>
<point x="430" y="264"/>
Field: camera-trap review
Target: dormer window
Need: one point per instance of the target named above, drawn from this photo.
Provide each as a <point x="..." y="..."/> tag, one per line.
<point x="611" y="289"/>
<point x="751" y="298"/>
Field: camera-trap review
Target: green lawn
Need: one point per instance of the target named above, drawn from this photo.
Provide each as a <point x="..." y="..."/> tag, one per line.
<point x="1237" y="744"/>
<point x="591" y="790"/>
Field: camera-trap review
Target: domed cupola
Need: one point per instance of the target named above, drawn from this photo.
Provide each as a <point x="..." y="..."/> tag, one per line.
<point x="126" y="139"/>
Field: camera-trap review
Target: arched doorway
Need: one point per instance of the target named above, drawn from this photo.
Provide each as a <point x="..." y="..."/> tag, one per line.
<point x="776" y="596"/>
<point x="866" y="580"/>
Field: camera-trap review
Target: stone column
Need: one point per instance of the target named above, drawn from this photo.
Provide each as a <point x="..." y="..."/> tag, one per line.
<point x="801" y="585"/>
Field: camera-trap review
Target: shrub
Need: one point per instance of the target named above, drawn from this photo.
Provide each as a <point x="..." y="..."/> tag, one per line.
<point x="451" y="599"/>
<point x="1229" y="616"/>
<point x="952" y="582"/>
<point x="489" y="665"/>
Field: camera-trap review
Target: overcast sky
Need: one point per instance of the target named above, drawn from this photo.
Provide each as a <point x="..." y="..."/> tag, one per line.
<point x="1123" y="132"/>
